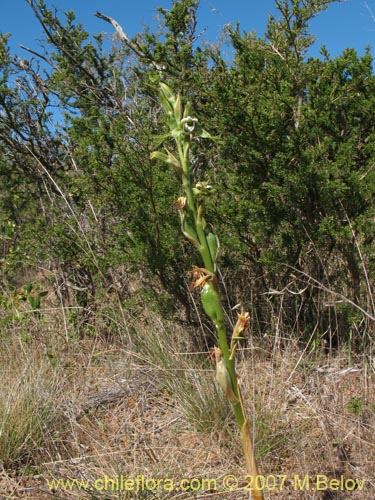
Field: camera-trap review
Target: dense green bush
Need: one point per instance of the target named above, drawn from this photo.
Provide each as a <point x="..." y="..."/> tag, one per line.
<point x="293" y="162"/>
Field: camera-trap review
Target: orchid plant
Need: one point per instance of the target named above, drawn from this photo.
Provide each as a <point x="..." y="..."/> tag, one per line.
<point x="182" y="128"/>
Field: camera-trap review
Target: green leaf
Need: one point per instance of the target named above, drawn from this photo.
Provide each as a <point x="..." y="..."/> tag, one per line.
<point x="168" y="158"/>
<point x="213" y="245"/>
<point x="177" y="108"/>
<point x="206" y="135"/>
<point x="167" y="92"/>
<point x="159" y="155"/>
<point x="167" y="98"/>
<point x="34" y="302"/>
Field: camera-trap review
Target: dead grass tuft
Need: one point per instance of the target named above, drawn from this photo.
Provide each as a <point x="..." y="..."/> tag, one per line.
<point x="29" y="393"/>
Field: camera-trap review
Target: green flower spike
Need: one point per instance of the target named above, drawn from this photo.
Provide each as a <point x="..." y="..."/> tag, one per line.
<point x="183" y="126"/>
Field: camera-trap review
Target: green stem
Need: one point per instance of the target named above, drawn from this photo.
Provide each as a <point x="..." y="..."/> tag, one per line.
<point x="230" y="365"/>
<point x="210" y="266"/>
<point x="187" y="185"/>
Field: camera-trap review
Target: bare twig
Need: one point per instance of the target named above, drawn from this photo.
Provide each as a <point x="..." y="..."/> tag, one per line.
<point x="123" y="36"/>
<point x="317" y="284"/>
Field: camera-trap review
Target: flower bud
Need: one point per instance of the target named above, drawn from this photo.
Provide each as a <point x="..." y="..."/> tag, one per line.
<point x="211" y="301"/>
<point x="223" y="377"/>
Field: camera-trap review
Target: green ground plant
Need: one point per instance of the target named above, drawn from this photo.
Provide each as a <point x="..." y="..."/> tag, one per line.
<point x="183" y="126"/>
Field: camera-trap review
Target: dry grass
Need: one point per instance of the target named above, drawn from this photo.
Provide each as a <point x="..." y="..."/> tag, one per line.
<point x="29" y="391"/>
<point x="96" y="410"/>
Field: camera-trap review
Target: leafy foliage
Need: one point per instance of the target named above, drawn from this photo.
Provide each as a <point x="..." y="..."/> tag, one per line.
<point x="293" y="160"/>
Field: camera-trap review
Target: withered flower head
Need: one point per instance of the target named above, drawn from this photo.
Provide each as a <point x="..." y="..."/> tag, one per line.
<point x="200" y="277"/>
<point x="181" y="203"/>
<point x="243" y="321"/>
<point x="215" y="355"/>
